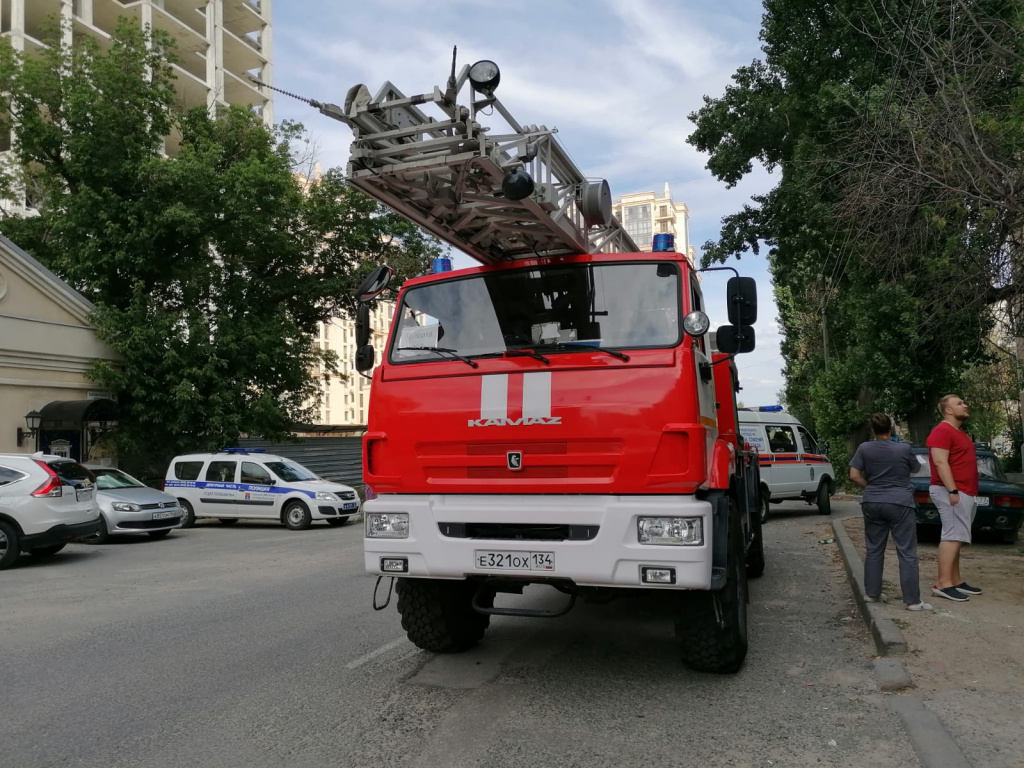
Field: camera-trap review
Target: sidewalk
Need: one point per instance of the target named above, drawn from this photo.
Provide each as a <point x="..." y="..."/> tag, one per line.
<point x="965" y="660"/>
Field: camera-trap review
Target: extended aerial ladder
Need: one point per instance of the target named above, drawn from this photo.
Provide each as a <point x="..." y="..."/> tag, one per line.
<point x="495" y="197"/>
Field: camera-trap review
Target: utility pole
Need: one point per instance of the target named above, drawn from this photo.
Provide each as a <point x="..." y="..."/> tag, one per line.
<point x="824" y="338"/>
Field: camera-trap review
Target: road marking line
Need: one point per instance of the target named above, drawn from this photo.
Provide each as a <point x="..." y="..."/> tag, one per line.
<point x="374" y="654"/>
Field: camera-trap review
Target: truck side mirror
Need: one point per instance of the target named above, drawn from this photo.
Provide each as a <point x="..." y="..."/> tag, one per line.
<point x="375" y="283"/>
<point x="362" y="325"/>
<point x="365" y="358"/>
<point x="735" y="339"/>
<point x="741" y="298"/>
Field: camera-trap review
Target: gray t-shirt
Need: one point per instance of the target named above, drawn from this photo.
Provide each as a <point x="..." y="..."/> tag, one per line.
<point x="887" y="466"/>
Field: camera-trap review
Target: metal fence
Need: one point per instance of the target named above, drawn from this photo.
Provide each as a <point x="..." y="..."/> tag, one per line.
<point x="333" y="458"/>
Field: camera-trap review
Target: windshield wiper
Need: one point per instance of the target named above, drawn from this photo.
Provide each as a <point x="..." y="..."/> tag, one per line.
<point x="570" y="345"/>
<point x="526" y="352"/>
<point x="452" y="353"/>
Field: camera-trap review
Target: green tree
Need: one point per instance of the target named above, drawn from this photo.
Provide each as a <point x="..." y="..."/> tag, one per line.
<point x="210" y="268"/>
<point x="886" y="236"/>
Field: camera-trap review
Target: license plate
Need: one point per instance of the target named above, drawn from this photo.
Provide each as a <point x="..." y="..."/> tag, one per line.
<point x="983" y="501"/>
<point x="515" y="561"/>
<point x="83" y="494"/>
<point x="353" y="505"/>
<point x="166" y="515"/>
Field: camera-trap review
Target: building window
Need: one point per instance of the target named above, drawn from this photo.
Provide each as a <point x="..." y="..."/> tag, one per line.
<point x="637" y="223"/>
<point x="663" y="211"/>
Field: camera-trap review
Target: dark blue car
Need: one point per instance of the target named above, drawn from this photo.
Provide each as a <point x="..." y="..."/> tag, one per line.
<point x="1000" y="502"/>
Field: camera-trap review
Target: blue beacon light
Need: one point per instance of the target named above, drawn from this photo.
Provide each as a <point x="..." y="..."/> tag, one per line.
<point x="770" y="408"/>
<point x="441" y="265"/>
<point x="664" y="242"/>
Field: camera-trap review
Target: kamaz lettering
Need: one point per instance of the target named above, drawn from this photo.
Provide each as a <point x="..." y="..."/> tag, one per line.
<point x="520" y="422"/>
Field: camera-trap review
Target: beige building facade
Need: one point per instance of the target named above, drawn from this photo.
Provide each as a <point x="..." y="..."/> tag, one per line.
<point x="345" y="398"/>
<point x="221" y="44"/>
<point x="644" y="215"/>
<point x="47" y="346"/>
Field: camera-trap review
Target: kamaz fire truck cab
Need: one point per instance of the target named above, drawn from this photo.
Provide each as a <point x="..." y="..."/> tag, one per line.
<point x="555" y="415"/>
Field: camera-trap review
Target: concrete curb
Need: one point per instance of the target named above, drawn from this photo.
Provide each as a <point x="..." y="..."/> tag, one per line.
<point x="888" y="638"/>
<point x="934" y="746"/>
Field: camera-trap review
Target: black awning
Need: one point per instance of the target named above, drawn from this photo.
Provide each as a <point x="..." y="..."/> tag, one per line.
<point x="73" y="414"/>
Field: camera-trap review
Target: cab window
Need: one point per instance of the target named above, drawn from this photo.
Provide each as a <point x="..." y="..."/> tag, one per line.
<point x="255" y="474"/>
<point x="221" y="471"/>
<point x="781" y="439"/>
<point x="810" y="446"/>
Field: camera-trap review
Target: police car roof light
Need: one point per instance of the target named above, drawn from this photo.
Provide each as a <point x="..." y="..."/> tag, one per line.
<point x="770" y="408"/>
<point x="243" y="450"/>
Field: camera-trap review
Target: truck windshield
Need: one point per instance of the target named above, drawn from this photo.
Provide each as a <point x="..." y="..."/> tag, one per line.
<point x="609" y="306"/>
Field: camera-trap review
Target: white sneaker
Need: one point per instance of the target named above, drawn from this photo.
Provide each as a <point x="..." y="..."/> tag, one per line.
<point x="921" y="607"/>
<point x="882" y="598"/>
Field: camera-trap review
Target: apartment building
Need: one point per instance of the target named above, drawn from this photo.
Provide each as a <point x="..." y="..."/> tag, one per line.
<point x="345" y="399"/>
<point x="220" y="43"/>
<point x="645" y="214"/>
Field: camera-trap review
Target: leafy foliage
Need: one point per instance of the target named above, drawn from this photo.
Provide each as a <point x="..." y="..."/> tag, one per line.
<point x="210" y="269"/>
<point x="894" y="228"/>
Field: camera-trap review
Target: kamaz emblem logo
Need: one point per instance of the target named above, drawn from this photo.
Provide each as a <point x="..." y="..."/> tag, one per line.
<point x="515" y="460"/>
<point x="534" y="409"/>
<point x="521" y="422"/>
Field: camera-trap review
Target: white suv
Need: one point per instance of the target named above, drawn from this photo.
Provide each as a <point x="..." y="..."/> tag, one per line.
<point x="246" y="482"/>
<point x="45" y="502"/>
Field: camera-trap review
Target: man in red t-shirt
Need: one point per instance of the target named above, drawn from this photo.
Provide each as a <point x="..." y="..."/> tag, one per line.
<point x="954" y="491"/>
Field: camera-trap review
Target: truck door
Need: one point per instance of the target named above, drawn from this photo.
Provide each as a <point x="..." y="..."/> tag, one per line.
<point x="705" y="388"/>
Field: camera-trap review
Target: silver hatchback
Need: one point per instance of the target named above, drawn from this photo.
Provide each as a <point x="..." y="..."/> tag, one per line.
<point x="129" y="506"/>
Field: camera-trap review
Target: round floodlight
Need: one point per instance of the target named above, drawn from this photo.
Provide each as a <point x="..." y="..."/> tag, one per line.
<point x="517" y="184"/>
<point x="596" y="203"/>
<point x="484" y="76"/>
<point x="696" y="323"/>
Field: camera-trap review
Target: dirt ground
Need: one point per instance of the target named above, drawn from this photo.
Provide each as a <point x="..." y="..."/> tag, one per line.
<point x="977" y="644"/>
<point x="967" y="659"/>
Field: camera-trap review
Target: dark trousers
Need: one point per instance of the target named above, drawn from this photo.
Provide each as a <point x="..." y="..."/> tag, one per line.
<point x="880" y="520"/>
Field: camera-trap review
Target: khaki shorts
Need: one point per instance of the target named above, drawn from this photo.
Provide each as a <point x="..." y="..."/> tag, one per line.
<point x="956" y="519"/>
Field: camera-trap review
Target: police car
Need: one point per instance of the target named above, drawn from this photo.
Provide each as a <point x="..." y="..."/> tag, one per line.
<point x="793" y="466"/>
<point x="250" y="483"/>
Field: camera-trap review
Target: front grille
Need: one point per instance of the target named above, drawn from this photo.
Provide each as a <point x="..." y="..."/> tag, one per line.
<point x="347" y="495"/>
<point x="518" y="531"/>
<point x="160" y="505"/>
<point x="143" y="525"/>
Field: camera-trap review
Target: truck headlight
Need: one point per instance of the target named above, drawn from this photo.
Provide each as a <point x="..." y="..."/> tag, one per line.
<point x="387" y="525"/>
<point x="124" y="506"/>
<point x="676" y="531"/>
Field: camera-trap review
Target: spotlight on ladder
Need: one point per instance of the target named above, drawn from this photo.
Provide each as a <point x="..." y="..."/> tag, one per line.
<point x="484" y="76"/>
<point x="517" y="184"/>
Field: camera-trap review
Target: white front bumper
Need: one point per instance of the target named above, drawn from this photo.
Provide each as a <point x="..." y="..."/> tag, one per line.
<point x="612" y="558"/>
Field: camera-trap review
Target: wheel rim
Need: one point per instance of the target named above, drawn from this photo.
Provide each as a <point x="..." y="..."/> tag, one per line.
<point x="295" y="515"/>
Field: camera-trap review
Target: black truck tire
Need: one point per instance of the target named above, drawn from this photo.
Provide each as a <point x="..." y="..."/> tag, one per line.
<point x="706" y="645"/>
<point x="824" y="500"/>
<point x="438" y="616"/>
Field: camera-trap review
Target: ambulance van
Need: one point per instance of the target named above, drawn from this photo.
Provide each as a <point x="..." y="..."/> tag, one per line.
<point x="793" y="466"/>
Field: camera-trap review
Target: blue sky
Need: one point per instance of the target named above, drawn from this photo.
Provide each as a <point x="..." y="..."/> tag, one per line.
<point x="616" y="77"/>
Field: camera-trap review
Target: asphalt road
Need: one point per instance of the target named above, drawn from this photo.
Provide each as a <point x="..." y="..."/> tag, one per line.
<point x="252" y="645"/>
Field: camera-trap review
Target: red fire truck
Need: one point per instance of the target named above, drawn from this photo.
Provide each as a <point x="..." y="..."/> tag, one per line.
<point x="560" y="414"/>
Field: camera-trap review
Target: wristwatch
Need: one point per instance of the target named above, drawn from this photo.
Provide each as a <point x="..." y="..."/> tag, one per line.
<point x="954" y="491"/>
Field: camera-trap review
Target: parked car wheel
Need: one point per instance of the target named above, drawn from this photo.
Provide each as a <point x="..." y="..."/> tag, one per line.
<point x="338" y="522"/>
<point x="765" y="505"/>
<point x="228" y="520"/>
<point x="102" y="536"/>
<point x="159" y="534"/>
<point x="53" y="549"/>
<point x="296" y="516"/>
<point x="188" y="515"/>
<point x="10" y="546"/>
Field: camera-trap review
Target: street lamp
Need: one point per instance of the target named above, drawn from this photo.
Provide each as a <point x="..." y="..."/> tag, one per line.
<point x="32" y="420"/>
